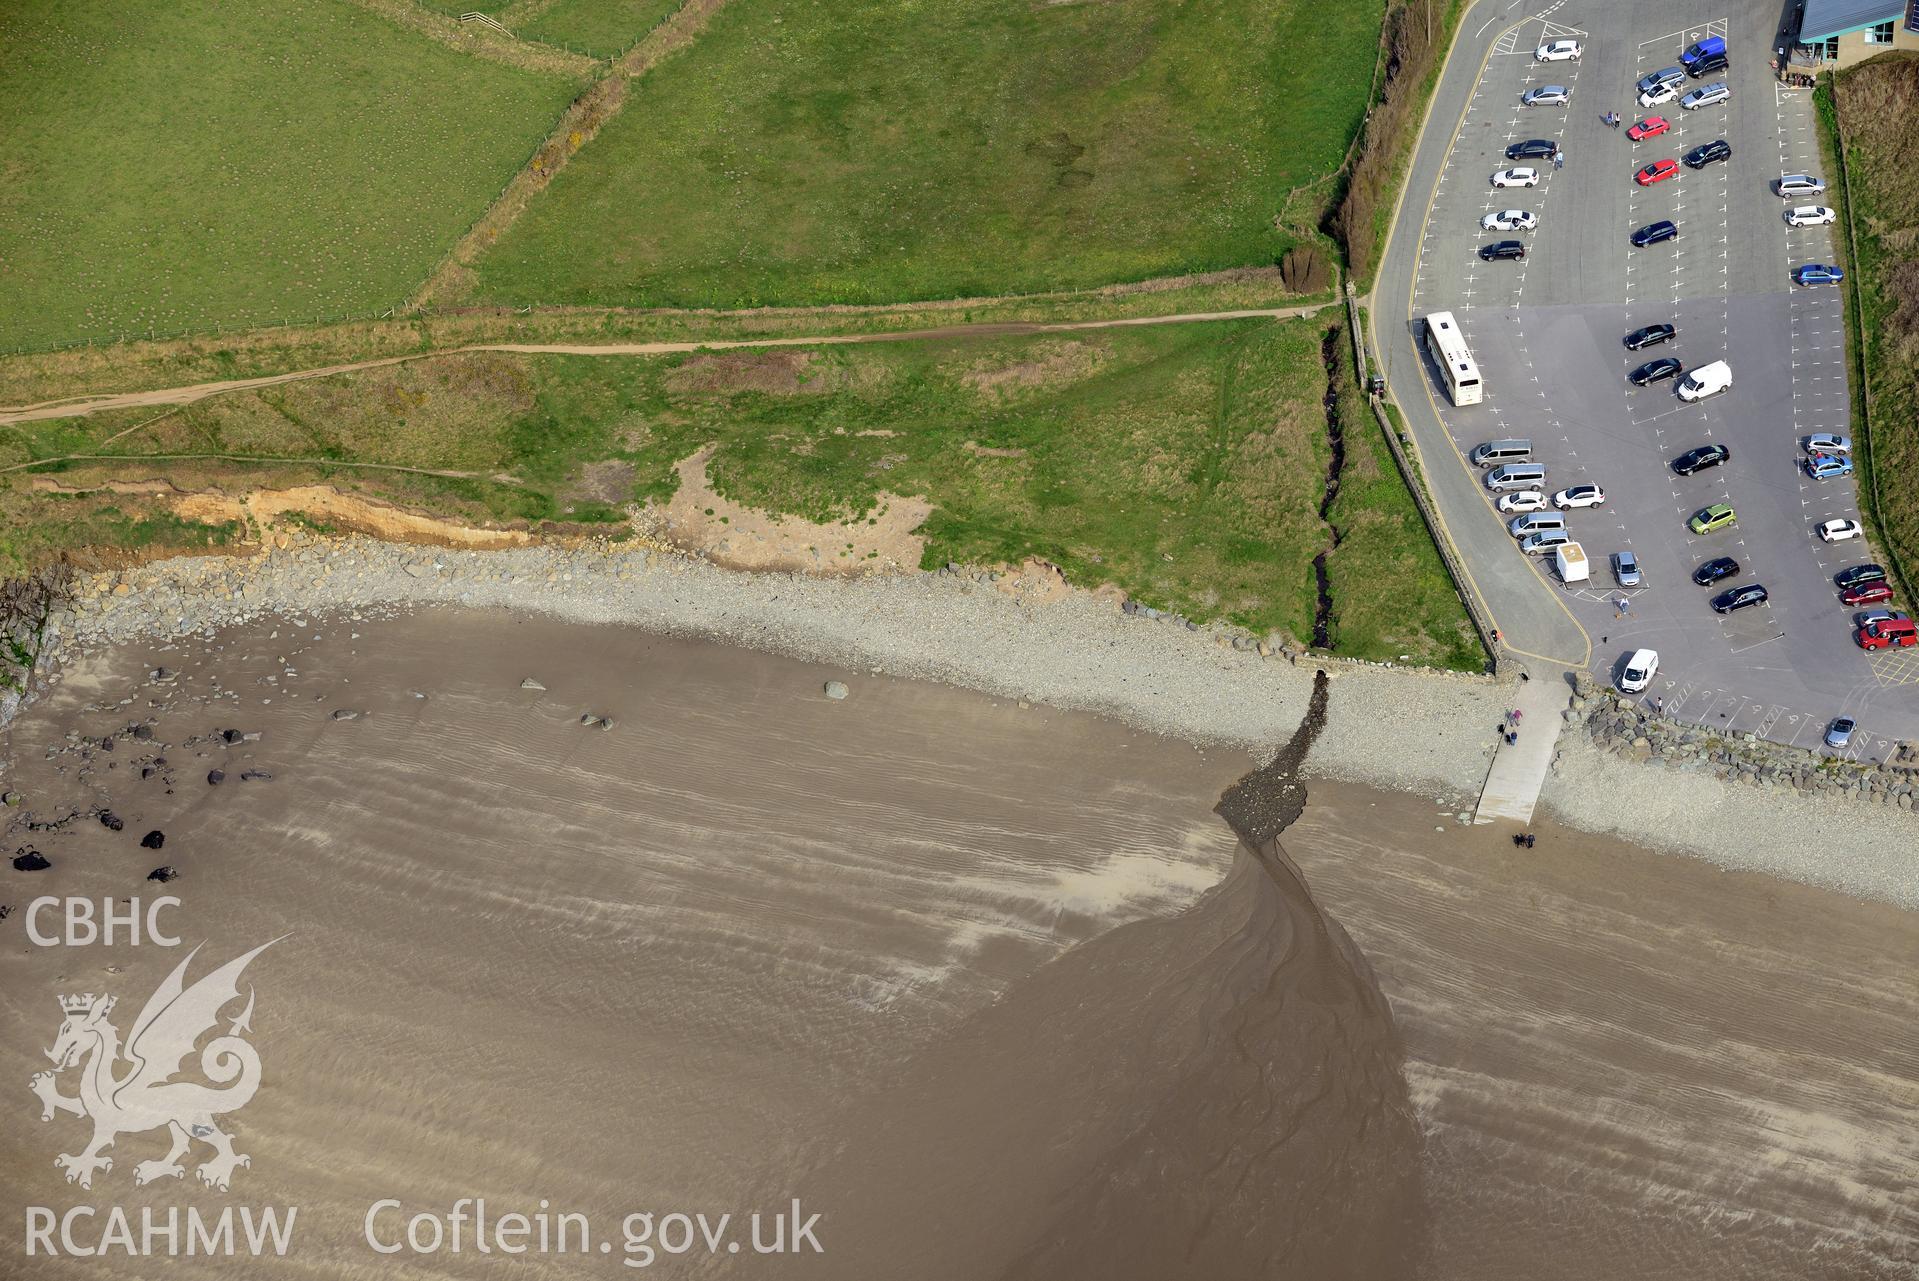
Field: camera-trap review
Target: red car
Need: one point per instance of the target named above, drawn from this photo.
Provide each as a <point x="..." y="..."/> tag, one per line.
<point x="1887" y="633"/>
<point x="1650" y="127"/>
<point x="1866" y="593"/>
<point x="1658" y="171"/>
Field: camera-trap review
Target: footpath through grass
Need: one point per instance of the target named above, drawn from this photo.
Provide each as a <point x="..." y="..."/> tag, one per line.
<point x="182" y="165"/>
<point x="817" y="151"/>
<point x="1183" y="463"/>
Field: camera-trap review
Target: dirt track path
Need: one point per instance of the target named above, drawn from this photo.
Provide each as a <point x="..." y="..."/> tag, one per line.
<point x="79" y="406"/>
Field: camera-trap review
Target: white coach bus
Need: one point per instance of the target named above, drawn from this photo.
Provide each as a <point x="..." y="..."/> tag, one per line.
<point x="1448" y="350"/>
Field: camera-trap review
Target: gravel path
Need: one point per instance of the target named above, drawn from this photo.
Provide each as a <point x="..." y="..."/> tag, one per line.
<point x="1400" y="728"/>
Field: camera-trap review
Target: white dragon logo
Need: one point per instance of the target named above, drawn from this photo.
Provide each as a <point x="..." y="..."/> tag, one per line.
<point x="144" y="1097"/>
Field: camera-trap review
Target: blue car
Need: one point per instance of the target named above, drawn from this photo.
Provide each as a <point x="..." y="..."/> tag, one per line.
<point x="1815" y="273"/>
<point x="1664" y="229"/>
<point x="1828" y="466"/>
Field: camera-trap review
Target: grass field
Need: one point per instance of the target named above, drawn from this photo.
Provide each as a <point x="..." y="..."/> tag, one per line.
<point x="1184" y="463"/>
<point x="813" y="151"/>
<point x="606" y="27"/>
<point x="180" y="165"/>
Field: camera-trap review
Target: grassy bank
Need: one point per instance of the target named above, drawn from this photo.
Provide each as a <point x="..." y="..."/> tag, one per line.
<point x="188" y="166"/>
<point x="823" y="151"/>
<point x="1184" y="463"/>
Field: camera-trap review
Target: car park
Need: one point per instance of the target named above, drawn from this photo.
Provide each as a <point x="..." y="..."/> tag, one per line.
<point x="1707" y="66"/>
<point x="1866" y="593"/>
<point x="1650" y="127"/>
<point x="1509" y="220"/>
<point x="1817" y="273"/>
<point x="1839" y="733"/>
<point x="1707" y="153"/>
<point x="1853" y="575"/>
<point x="1700" y="458"/>
<point x="1558" y="51"/>
<point x="1706" y="96"/>
<point x="1670" y="76"/>
<point x="1636" y="673"/>
<point x="1828" y="466"/>
<point x="1700" y="50"/>
<point x="1655" y="233"/>
<point x="1546" y="96"/>
<point x="1838" y="531"/>
<point x="1533" y="149"/>
<point x="1526" y="500"/>
<point x="1811" y="216"/>
<point x="1654" y="371"/>
<point x="1741" y="597"/>
<point x="1799" y="184"/>
<point x="1826" y="442"/>
<point x="1578" y="496"/>
<point x="1716" y="570"/>
<point x="1892" y="633"/>
<point x="1708" y="519"/>
<point x="1500" y="250"/>
<point x="1705" y="380"/>
<point x="1657" y="171"/>
<point x="1659" y="95"/>
<point x="1625" y="569"/>
<point x="1544" y="541"/>
<point x="1518" y="176"/>
<point x="1650" y="336"/>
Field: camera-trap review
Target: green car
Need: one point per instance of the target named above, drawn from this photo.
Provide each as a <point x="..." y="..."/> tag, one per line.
<point x="1717" y="516"/>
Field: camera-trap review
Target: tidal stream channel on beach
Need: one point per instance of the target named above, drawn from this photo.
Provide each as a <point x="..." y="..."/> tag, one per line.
<point x="995" y="990"/>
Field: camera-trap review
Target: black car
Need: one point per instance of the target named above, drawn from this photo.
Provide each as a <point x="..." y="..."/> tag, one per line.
<point x="1719" y="567"/>
<point x="1532" y="149"/>
<point x="1650" y="336"/>
<point x="1707" y="65"/>
<point x="1653" y="371"/>
<point x="1499" y="249"/>
<point x="1857" y="574"/>
<point x="1701" y="458"/>
<point x="1707" y="153"/>
<point x="1739" y="598"/>
<point x="1655" y="232"/>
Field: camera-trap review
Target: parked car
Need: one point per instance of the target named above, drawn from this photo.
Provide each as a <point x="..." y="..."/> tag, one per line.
<point x="1707" y="65"/>
<point x="1654" y="371"/>
<point x="1638" y="670"/>
<point x="1650" y="127"/>
<point x="1853" y="575"/>
<point x="1706" y="96"/>
<point x="1660" y="94"/>
<point x="1510" y="220"/>
<point x="1810" y="216"/>
<point x="1839" y="733"/>
<point x="1890" y="634"/>
<point x="1650" y="336"/>
<point x="1866" y="617"/>
<point x="1700" y="458"/>
<point x="1828" y="466"/>
<point x="1799" y="184"/>
<point x="1657" y="171"/>
<point x="1826" y="442"/>
<point x="1740" y="597"/>
<point x="1526" y="500"/>
<point x="1817" y="273"/>
<point x="1708" y="519"/>
<point x="1701" y="49"/>
<point x="1655" y="233"/>
<point x="1519" y="176"/>
<point x="1544" y="541"/>
<point x="1546" y="96"/>
<point x="1533" y="149"/>
<point x="1663" y="76"/>
<point x="1577" y="496"/>
<point x="1704" y="380"/>
<point x="1716" y="570"/>
<point x="1500" y="250"/>
<point x="1558" y="51"/>
<point x="1866" y="593"/>
<point x="1707" y="153"/>
<point x="1625" y="569"/>
<point x="1838" y="531"/>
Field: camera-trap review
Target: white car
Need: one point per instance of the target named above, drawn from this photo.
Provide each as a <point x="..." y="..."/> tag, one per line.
<point x="1526" y="500"/>
<point x="1546" y="96"/>
<point x="1658" y="95"/>
<point x="1800" y="184"/>
<point x="1510" y="220"/>
<point x="1520" y="176"/>
<point x="1826" y="442"/>
<point x="1810" y="216"/>
<point x="1838" y="531"/>
<point x="1558" y="51"/>
<point x="1579" y="496"/>
<point x="1640" y="667"/>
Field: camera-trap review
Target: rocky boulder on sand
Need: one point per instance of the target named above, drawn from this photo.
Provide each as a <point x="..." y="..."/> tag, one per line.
<point x="28" y="859"/>
<point x="163" y="874"/>
<point x="153" y="840"/>
<point x="837" y="689"/>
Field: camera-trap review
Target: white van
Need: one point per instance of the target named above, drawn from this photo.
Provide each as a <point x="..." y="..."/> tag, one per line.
<point x="1535" y="522"/>
<point x="1570" y="561"/>
<point x="1706" y="380"/>
<point x="1639" y="669"/>
<point x="1515" y="476"/>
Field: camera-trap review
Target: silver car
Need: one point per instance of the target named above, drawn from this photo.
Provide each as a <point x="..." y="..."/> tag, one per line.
<point x="1625" y="569"/>
<point x="1707" y="96"/>
<point x="1544" y="541"/>
<point x="1839" y="733"/>
<point x="1800" y="184"/>
<point x="1549" y="96"/>
<point x="1826" y="442"/>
